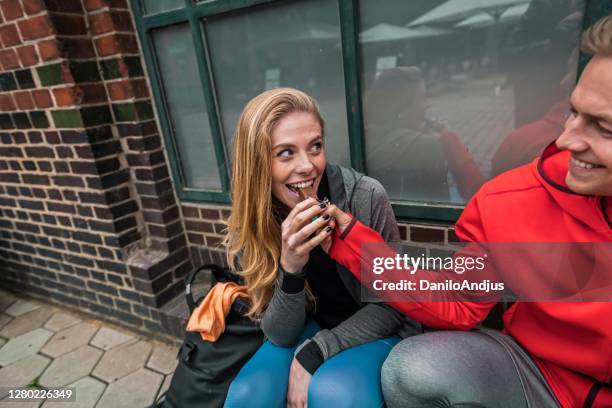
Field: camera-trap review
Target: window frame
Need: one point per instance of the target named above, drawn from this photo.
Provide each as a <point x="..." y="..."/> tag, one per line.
<point x="196" y="13"/>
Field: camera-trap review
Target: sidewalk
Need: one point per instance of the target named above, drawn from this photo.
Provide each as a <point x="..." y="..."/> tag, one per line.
<point x="109" y="367"/>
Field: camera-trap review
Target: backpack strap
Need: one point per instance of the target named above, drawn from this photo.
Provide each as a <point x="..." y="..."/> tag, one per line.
<point x="219" y="274"/>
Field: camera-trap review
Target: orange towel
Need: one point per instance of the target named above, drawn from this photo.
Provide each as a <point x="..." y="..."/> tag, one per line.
<point x="209" y="317"/>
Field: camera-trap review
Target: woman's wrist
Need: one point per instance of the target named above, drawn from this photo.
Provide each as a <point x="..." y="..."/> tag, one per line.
<point x="289" y="268"/>
<point x="310" y="357"/>
<point x="291" y="283"/>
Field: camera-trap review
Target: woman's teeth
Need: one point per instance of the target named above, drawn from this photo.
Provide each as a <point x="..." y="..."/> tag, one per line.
<point x="584" y="165"/>
<point x="302" y="184"/>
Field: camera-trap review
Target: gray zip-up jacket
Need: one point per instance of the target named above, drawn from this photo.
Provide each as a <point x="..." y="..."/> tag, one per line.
<point x="284" y="319"/>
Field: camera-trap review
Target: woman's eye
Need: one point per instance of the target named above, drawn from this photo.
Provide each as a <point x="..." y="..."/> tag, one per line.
<point x="284" y="153"/>
<point x="317" y="147"/>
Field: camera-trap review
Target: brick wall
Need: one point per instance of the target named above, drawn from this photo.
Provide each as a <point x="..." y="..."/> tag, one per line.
<point x="204" y="226"/>
<point x="88" y="212"/>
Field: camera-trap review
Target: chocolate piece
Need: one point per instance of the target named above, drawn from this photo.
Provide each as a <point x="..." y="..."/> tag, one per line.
<point x="306" y="192"/>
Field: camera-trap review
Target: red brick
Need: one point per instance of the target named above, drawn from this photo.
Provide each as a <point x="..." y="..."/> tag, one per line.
<point x="49" y="49"/>
<point x="140" y="88"/>
<point x="27" y="55"/>
<point x="452" y="236"/>
<point x="66" y="74"/>
<point x="95" y="4"/>
<point x="115" y="44"/>
<point x="78" y="48"/>
<point x="68" y="24"/>
<point x="6" y="102"/>
<point x="64" y="6"/>
<point x="42" y="98"/>
<point x="36" y="27"/>
<point x="425" y="234"/>
<point x="9" y="35"/>
<point x="11" y="9"/>
<point x="120" y="90"/>
<point x="213" y="242"/>
<point x="196" y="239"/>
<point x="191" y="212"/>
<point x="403" y="232"/>
<point x="33" y="6"/>
<point x="66" y="96"/>
<point x="101" y="23"/>
<point x="24" y="100"/>
<point x="122" y="4"/>
<point x="209" y="213"/>
<point x="8" y="58"/>
<point x="122" y="20"/>
<point x="93" y="93"/>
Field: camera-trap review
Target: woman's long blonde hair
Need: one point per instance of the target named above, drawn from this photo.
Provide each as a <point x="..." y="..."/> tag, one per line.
<point x="253" y="239"/>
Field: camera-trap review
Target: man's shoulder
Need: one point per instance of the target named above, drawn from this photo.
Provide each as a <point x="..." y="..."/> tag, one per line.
<point x="521" y="180"/>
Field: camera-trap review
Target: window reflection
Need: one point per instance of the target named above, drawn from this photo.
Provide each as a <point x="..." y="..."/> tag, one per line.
<point x="457" y="91"/>
<point x="188" y="113"/>
<point x="295" y="44"/>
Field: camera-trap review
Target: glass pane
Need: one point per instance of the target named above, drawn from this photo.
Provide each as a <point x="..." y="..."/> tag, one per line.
<point x="456" y="92"/>
<point x="296" y="45"/>
<point x="157" y="6"/>
<point x="188" y="115"/>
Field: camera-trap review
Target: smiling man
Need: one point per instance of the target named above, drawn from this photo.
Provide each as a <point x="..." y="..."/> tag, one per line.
<point x="588" y="131"/>
<point x="551" y="353"/>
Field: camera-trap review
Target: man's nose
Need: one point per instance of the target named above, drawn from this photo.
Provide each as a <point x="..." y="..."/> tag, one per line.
<point x="574" y="137"/>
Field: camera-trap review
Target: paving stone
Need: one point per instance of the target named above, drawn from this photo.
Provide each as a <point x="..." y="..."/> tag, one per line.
<point x="26" y="322"/>
<point x="163" y="360"/>
<point x="107" y="338"/>
<point x="6" y="299"/>
<point x="21" y="307"/>
<point x="4" y="319"/>
<point x="71" y="367"/>
<point x="2" y="341"/>
<point x="23" y="346"/>
<point x="121" y="361"/>
<point x="5" y="403"/>
<point x="88" y="391"/>
<point x="70" y="339"/>
<point x="61" y="321"/>
<point x="136" y="390"/>
<point x="164" y="387"/>
<point x="22" y="372"/>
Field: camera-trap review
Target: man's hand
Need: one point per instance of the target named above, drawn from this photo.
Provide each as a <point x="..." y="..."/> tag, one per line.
<point x="299" y="379"/>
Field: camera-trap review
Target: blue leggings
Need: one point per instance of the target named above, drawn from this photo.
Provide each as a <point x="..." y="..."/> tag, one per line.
<point x="349" y="379"/>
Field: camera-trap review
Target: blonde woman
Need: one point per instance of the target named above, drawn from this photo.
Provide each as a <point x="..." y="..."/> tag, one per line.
<point x="309" y="306"/>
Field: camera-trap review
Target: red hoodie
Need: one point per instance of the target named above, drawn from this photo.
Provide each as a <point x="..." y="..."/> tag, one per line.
<point x="570" y="342"/>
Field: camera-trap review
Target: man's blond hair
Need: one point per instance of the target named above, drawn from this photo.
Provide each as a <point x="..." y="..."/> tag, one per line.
<point x="597" y="39"/>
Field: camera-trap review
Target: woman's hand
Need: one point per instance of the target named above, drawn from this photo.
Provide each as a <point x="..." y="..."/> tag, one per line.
<point x="297" y="392"/>
<point x="300" y="234"/>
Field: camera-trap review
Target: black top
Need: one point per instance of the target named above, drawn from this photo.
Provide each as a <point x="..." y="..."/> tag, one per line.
<point x="334" y="303"/>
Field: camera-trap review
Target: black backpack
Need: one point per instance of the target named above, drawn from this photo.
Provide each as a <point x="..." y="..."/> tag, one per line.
<point x="205" y="369"/>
